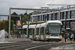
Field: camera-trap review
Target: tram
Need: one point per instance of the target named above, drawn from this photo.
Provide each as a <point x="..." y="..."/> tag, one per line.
<point x="50" y="30"/>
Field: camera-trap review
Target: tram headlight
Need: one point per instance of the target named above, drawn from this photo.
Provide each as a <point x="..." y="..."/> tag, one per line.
<point x="49" y="35"/>
<point x="58" y="35"/>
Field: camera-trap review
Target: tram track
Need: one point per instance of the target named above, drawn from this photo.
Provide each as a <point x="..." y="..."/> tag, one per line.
<point x="29" y="45"/>
<point x="46" y="47"/>
<point x="25" y="44"/>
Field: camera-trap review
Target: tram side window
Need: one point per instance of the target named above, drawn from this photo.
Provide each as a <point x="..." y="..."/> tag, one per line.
<point x="42" y="30"/>
<point x="31" y="31"/>
<point x="24" y="31"/>
<point x="37" y="31"/>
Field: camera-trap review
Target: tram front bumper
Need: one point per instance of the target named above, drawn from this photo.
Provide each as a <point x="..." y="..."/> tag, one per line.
<point x="54" y="37"/>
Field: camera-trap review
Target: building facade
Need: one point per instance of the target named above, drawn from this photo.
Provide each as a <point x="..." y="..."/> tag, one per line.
<point x="2" y="19"/>
<point x="67" y="15"/>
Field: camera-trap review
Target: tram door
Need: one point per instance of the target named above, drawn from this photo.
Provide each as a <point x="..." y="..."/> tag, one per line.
<point x="24" y="31"/>
<point x="31" y="33"/>
<point x="42" y="33"/>
<point x="37" y="33"/>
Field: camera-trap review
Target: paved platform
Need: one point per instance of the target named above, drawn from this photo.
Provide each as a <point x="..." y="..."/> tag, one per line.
<point x="67" y="41"/>
<point x="17" y="39"/>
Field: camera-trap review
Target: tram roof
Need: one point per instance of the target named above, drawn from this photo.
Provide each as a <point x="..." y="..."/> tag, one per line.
<point x="38" y="25"/>
<point x="41" y="25"/>
<point x="32" y="26"/>
<point x="53" y="21"/>
<point x="24" y="26"/>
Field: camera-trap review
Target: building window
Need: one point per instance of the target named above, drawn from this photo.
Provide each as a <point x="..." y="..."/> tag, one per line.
<point x="62" y="15"/>
<point x="63" y="24"/>
<point x="53" y="16"/>
<point x="49" y="16"/>
<point x="58" y="16"/>
<point x="66" y="14"/>
<point x="67" y="24"/>
<point x="68" y="17"/>
<point x="73" y="14"/>
<point x="42" y="17"/>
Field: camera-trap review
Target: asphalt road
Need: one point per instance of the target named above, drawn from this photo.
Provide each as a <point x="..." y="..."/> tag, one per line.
<point x="30" y="45"/>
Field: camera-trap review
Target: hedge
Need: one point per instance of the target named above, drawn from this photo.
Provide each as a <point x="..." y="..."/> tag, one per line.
<point x="6" y="25"/>
<point x="1" y="25"/>
<point x="34" y="23"/>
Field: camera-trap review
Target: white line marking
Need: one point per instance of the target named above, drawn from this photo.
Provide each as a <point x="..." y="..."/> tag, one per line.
<point x="35" y="47"/>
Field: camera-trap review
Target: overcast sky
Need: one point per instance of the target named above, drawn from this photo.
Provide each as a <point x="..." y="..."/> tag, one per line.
<point x="6" y="4"/>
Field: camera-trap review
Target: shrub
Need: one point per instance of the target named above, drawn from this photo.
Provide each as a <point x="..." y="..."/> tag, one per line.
<point x="1" y="25"/>
<point x="6" y="25"/>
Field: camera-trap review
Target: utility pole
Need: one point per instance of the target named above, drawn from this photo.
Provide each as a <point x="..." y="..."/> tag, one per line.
<point x="21" y="25"/>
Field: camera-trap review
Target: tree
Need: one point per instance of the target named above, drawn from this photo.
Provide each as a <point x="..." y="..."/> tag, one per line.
<point x="1" y="25"/>
<point x="21" y="15"/>
<point x="6" y="25"/>
<point x="25" y="14"/>
<point x="25" y="18"/>
<point x="30" y="15"/>
<point x="14" y="18"/>
<point x="14" y="13"/>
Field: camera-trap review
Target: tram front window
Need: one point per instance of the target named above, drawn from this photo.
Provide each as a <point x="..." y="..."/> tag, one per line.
<point x="54" y="29"/>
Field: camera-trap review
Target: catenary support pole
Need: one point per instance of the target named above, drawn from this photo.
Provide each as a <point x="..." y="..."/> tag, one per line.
<point x="39" y="33"/>
<point x="9" y="21"/>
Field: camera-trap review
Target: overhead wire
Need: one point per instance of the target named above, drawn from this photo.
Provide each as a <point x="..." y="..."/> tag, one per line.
<point x="52" y="2"/>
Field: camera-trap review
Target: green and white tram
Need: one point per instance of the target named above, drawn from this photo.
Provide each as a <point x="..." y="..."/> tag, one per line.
<point x="48" y="30"/>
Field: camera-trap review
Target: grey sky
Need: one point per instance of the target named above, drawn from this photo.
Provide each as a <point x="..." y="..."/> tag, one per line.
<point x="6" y="4"/>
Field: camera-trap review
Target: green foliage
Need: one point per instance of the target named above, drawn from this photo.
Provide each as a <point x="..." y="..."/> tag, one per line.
<point x="6" y="25"/>
<point x="1" y="25"/>
<point x="15" y="18"/>
<point x="25" y="14"/>
<point x="30" y="15"/>
<point x="14" y="13"/>
<point x="36" y="22"/>
<point x="25" y="24"/>
<point x="21" y="15"/>
<point x="25" y="18"/>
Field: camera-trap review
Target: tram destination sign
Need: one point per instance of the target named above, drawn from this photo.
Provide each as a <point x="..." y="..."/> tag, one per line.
<point x="54" y="24"/>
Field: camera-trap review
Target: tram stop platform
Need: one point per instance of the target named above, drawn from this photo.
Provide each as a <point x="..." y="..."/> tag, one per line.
<point x="17" y="40"/>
